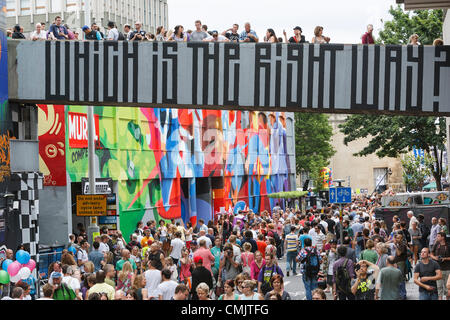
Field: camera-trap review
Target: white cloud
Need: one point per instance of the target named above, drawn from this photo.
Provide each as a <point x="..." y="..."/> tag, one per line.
<point x="343" y="21"/>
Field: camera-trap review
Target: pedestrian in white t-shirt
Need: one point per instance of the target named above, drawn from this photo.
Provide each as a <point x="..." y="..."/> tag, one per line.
<point x="113" y="33"/>
<point x="82" y="254"/>
<point x="39" y="33"/>
<point x="166" y="289"/>
<point x="152" y="279"/>
<point x="176" y="245"/>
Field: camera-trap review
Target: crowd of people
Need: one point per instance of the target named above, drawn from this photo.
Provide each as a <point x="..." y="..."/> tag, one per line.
<point x="237" y="257"/>
<point x="60" y="31"/>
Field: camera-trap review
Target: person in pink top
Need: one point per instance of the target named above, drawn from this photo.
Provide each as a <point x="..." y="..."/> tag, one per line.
<point x="247" y="258"/>
<point x="256" y="265"/>
<point x="205" y="254"/>
<point x="185" y="264"/>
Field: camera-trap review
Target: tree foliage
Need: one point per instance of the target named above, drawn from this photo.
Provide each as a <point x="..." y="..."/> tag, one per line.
<point x="427" y="24"/>
<point x="313" y="149"/>
<point x="391" y="136"/>
<point x="416" y="170"/>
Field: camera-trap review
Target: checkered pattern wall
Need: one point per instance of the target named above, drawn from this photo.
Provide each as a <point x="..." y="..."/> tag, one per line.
<point x="28" y="197"/>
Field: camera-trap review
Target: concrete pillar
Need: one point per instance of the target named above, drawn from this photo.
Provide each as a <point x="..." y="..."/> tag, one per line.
<point x="446" y="27"/>
<point x="446" y="38"/>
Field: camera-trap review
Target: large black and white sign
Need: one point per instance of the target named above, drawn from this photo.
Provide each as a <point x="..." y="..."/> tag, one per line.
<point x="290" y="77"/>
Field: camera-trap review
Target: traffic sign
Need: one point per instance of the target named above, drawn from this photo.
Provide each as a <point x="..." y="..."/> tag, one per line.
<point x="340" y="195"/>
<point x="91" y="205"/>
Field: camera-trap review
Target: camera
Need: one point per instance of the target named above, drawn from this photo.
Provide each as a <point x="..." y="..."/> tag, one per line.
<point x="357" y="267"/>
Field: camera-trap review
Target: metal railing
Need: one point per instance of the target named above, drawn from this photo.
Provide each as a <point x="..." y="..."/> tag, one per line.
<point x="44" y="261"/>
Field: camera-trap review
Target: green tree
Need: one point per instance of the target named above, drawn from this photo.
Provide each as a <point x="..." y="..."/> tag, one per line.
<point x="391" y="136"/>
<point x="415" y="171"/>
<point x="427" y="24"/>
<point x="313" y="149"/>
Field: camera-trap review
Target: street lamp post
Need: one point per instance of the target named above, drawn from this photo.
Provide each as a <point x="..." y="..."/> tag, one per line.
<point x="93" y="226"/>
<point x="341" y="217"/>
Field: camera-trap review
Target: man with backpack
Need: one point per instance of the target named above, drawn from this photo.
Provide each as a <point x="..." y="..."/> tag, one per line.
<point x="268" y="271"/>
<point x="343" y="273"/>
<point x="310" y="260"/>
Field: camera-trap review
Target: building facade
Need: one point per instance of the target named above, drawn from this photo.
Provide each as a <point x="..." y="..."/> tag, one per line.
<point x="181" y="164"/>
<point x="20" y="179"/>
<point x="364" y="173"/>
<point x="26" y="13"/>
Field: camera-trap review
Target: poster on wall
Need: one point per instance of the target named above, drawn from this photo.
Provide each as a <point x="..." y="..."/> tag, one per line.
<point x="102" y="185"/>
<point x="52" y="140"/>
<point x="110" y="222"/>
<point x="78" y="130"/>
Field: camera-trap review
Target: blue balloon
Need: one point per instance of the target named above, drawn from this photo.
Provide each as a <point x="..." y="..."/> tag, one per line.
<point x="22" y="256"/>
<point x="6" y="263"/>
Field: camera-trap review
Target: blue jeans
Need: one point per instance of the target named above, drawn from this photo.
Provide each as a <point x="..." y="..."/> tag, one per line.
<point x="310" y="285"/>
<point x="291" y="263"/>
<point x="402" y="289"/>
<point x="427" y="295"/>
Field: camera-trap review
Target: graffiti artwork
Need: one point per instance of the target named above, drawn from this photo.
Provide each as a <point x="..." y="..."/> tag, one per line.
<point x="422" y="198"/>
<point x="326" y="78"/>
<point x="52" y="139"/>
<point x="185" y="163"/>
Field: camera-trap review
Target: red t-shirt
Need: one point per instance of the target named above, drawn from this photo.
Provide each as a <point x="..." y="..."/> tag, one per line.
<point x="367" y="38"/>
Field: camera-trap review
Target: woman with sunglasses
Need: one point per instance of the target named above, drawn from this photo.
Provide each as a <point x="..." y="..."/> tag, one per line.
<point x="248" y="293"/>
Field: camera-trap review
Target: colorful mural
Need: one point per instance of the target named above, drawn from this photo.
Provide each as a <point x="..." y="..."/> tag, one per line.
<point x="52" y="135"/>
<point x="185" y="163"/>
<point x="410" y="199"/>
<point x="5" y="114"/>
<point x="325" y="175"/>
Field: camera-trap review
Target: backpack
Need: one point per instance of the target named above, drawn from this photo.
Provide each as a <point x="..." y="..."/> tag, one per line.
<point x="121" y="37"/>
<point x="342" y="278"/>
<point x="312" y="264"/>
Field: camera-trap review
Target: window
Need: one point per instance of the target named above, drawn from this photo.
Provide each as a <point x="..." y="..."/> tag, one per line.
<point x="25" y="7"/>
<point x="55" y="6"/>
<point x="380" y="176"/>
<point x="10" y="8"/>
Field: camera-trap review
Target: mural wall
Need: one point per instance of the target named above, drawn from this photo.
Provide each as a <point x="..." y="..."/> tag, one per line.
<point x="5" y="116"/>
<point x="183" y="163"/>
<point x="4" y="124"/>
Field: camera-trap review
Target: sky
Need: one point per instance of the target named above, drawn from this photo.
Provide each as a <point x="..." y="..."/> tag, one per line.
<point x="343" y="21"/>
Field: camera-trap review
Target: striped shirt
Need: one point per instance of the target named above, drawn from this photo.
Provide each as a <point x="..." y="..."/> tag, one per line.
<point x="291" y="244"/>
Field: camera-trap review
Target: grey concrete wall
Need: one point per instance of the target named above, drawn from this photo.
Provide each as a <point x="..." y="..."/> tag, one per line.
<point x="446" y="27"/>
<point x="53" y="217"/>
<point x="269" y="77"/>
